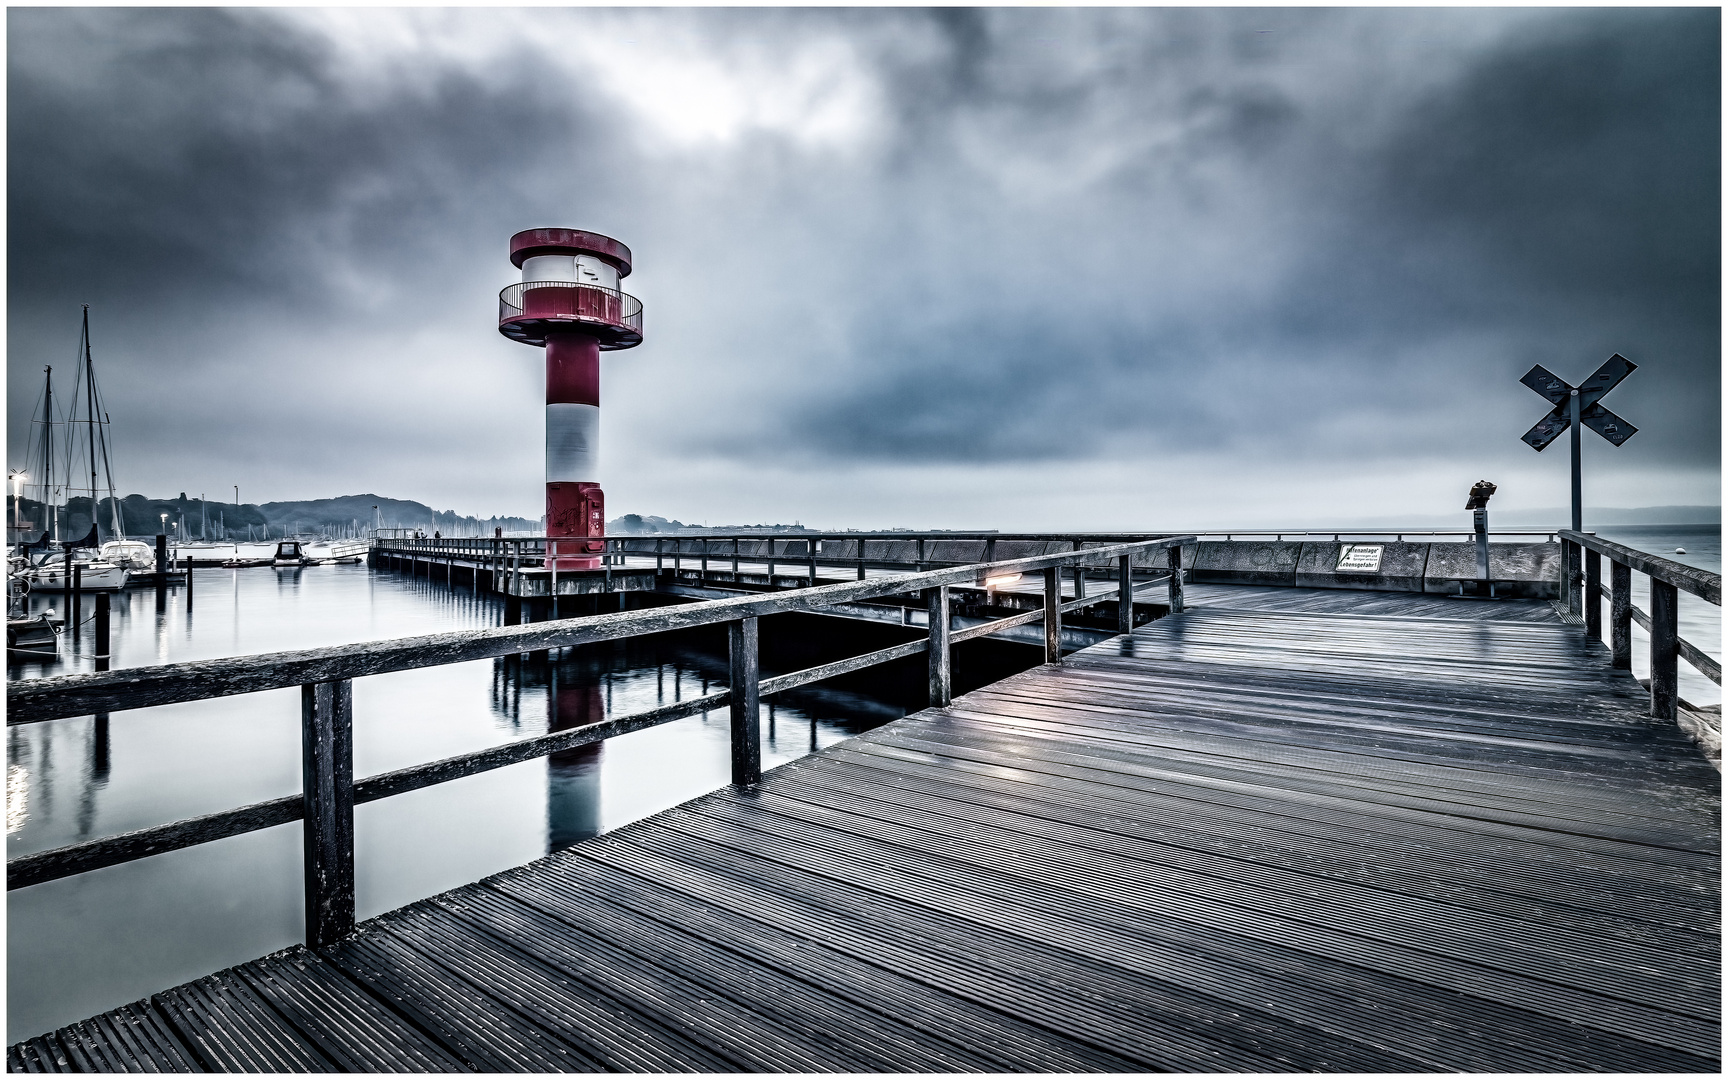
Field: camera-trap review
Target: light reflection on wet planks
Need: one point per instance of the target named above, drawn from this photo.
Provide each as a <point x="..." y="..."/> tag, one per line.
<point x="1240" y="840"/>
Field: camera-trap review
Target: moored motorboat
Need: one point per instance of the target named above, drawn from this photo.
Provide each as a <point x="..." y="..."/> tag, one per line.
<point x="33" y="635"/>
<point x="290" y="553"/>
<point x="134" y="555"/>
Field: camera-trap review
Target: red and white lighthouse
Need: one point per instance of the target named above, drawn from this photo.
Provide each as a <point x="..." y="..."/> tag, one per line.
<point x="569" y="303"/>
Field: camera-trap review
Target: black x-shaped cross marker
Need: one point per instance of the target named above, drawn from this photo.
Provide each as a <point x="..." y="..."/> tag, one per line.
<point x="1590" y="410"/>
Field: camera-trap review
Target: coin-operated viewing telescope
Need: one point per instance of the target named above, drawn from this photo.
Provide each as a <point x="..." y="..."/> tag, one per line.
<point x="1479" y="503"/>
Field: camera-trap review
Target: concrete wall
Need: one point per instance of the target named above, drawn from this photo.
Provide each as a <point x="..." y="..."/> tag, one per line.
<point x="1518" y="569"/>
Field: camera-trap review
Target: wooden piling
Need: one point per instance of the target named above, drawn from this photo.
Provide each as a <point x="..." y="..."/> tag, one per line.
<point x="941" y="675"/>
<point x="1053" y="615"/>
<point x="1664" y="650"/>
<point x="1620" y="614"/>
<point x="327" y="785"/>
<point x="744" y="651"/>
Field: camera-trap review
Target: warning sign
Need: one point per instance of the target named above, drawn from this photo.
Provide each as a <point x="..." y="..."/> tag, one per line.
<point x="1359" y="558"/>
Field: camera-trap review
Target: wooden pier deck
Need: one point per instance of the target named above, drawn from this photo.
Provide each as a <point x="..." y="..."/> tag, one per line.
<point x="1273" y="833"/>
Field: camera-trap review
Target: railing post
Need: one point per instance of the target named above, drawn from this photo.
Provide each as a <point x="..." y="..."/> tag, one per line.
<point x="1664" y="650"/>
<point x="702" y="575"/>
<point x="1592" y="595"/>
<point x="1570" y="561"/>
<point x="941" y="681"/>
<point x="327" y="784"/>
<point x="734" y="560"/>
<point x="1125" y="594"/>
<point x="746" y="674"/>
<point x="861" y="559"/>
<point x="1053" y="615"/>
<point x="1174" y="560"/>
<point x="1620" y="614"/>
<point x="659" y="555"/>
<point x="1079" y="582"/>
<point x="810" y="550"/>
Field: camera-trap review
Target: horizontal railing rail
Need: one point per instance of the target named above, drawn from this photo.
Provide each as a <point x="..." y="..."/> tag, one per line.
<point x="330" y="792"/>
<point x="1582" y="573"/>
<point x="1335" y="535"/>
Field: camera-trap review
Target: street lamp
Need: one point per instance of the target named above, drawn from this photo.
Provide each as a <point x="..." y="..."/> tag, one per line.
<point x="17" y="477"/>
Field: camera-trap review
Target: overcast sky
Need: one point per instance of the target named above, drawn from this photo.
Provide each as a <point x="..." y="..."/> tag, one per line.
<point x="959" y="268"/>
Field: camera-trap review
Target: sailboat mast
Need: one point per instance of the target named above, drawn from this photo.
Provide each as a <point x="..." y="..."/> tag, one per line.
<point x="51" y="520"/>
<point x="90" y="410"/>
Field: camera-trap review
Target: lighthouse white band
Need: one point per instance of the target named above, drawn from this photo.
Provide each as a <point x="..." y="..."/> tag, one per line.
<point x="572" y="443"/>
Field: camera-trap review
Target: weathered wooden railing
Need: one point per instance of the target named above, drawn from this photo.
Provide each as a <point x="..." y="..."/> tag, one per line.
<point x="329" y="791"/>
<point x="509" y="556"/>
<point x="1585" y="590"/>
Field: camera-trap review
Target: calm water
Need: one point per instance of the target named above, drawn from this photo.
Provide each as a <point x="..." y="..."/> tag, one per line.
<point x="87" y="943"/>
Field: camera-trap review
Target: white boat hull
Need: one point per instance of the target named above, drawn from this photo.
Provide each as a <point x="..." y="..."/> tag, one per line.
<point x="92" y="577"/>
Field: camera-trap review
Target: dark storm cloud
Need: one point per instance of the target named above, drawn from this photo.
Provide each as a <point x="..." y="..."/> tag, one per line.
<point x="157" y="152"/>
<point x="990" y="236"/>
<point x="1560" y="194"/>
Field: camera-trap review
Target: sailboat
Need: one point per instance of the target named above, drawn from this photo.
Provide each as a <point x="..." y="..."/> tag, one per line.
<point x="51" y="561"/>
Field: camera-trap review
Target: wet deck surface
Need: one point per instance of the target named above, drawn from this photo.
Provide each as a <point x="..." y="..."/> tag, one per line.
<point x="1269" y="834"/>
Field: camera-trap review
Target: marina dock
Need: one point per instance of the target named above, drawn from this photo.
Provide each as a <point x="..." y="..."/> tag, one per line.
<point x="1273" y="829"/>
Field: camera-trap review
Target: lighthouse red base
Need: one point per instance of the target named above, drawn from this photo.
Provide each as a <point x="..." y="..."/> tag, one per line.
<point x="576" y="522"/>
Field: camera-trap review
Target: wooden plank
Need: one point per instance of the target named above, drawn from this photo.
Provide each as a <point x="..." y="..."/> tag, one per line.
<point x="224" y="1022"/>
<point x="349" y="1027"/>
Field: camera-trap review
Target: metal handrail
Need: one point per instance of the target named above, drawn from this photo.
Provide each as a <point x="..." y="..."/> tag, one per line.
<point x="1582" y="577"/>
<point x="329" y="791"/>
<point x="589" y="304"/>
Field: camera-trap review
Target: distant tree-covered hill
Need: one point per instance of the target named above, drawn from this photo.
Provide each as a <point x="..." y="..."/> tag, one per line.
<point x="193" y="518"/>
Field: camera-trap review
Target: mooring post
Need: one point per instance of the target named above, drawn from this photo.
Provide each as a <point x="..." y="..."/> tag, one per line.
<point x="1592" y="595"/>
<point x="327" y="757"/>
<point x="1620" y="614"/>
<point x="1053" y="615"/>
<point x="941" y="679"/>
<point x="75" y="582"/>
<point x="1174" y="561"/>
<point x="1125" y="594"/>
<point x="188" y="583"/>
<point x="161" y="556"/>
<point x="102" y="602"/>
<point x="1664" y="650"/>
<point x="746" y="706"/>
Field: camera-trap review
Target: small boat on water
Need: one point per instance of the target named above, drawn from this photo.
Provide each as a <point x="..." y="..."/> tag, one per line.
<point x="290" y="553"/>
<point x="51" y="575"/>
<point x="33" y="635"/>
<point x="48" y="567"/>
<point x="135" y="555"/>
